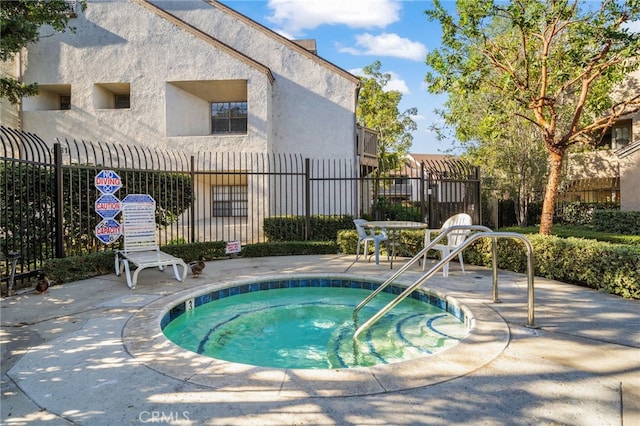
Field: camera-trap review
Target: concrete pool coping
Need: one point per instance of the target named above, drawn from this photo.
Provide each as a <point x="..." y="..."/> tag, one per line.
<point x="488" y="336"/>
<point x="64" y="359"/>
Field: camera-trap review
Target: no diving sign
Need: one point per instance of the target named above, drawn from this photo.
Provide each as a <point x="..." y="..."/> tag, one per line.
<point x="108" y="182"/>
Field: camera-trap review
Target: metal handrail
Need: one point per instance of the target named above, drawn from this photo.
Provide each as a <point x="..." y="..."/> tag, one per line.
<point x="415" y="259"/>
<point x="445" y="260"/>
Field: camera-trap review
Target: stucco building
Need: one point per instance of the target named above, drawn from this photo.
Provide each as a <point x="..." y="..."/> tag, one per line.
<point x="190" y="75"/>
<point x="197" y="77"/>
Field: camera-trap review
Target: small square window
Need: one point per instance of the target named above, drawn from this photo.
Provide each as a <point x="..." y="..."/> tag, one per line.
<point x="230" y="201"/>
<point x="229" y="117"/>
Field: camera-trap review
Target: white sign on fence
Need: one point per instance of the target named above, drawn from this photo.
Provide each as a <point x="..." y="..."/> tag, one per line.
<point x="233" y="247"/>
<point x="139" y="220"/>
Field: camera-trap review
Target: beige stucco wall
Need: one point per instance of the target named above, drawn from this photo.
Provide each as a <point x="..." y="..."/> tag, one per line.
<point x="308" y="109"/>
<point x="9" y="113"/>
<point x="309" y="97"/>
<point x="630" y="182"/>
<point x="592" y="164"/>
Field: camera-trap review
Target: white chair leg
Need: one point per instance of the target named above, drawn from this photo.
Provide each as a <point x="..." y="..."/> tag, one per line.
<point x="445" y="268"/>
<point x="461" y="262"/>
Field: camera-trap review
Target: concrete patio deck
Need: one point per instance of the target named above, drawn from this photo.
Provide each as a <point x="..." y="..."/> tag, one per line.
<point x="72" y="356"/>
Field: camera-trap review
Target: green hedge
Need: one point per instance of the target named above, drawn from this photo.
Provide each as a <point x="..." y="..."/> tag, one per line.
<point x="616" y="221"/>
<point x="197" y="251"/>
<point x="76" y="268"/>
<point x="347" y="241"/>
<point x="289" y="248"/>
<point x="586" y="232"/>
<point x="612" y="268"/>
<point x="292" y="228"/>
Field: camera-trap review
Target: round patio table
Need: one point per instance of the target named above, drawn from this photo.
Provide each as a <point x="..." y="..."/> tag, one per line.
<point x="393" y="226"/>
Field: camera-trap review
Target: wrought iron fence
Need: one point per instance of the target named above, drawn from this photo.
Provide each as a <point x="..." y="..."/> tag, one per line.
<point x="48" y="193"/>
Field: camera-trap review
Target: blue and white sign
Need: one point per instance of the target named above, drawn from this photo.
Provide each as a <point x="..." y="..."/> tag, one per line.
<point x="139" y="199"/>
<point x="108" y="182"/>
<point x="107" y="206"/>
<point x="108" y="231"/>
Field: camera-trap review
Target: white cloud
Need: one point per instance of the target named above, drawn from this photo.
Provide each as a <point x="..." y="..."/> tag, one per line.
<point x="387" y="44"/>
<point x="395" y="82"/>
<point x="634" y="26"/>
<point x="295" y="16"/>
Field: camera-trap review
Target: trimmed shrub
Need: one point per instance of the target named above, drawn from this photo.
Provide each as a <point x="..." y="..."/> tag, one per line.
<point x="616" y="221"/>
<point x="579" y="213"/>
<point x="75" y="268"/>
<point x="292" y="228"/>
<point x="197" y="251"/>
<point x="412" y="241"/>
<point x="612" y="268"/>
<point x="289" y="248"/>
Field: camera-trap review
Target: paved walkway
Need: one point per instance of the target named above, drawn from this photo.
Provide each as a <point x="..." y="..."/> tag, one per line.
<point x="72" y="356"/>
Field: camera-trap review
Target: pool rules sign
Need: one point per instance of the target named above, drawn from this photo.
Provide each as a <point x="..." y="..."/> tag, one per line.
<point x="108" y="206"/>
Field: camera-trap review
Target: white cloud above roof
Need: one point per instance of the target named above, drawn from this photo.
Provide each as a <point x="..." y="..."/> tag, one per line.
<point x="395" y="82"/>
<point x="386" y="44"/>
<point x="295" y="16"/>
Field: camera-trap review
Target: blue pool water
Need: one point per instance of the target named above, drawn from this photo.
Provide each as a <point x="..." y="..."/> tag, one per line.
<point x="296" y="324"/>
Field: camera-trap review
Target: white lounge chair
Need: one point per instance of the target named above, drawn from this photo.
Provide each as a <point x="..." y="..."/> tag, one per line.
<point x="365" y="236"/>
<point x="140" y="244"/>
<point x="453" y="239"/>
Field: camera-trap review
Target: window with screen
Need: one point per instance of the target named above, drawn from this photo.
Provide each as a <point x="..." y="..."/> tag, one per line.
<point x="230" y="201"/>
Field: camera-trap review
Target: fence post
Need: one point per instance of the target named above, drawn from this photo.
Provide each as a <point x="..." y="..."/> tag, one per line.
<point x="192" y="174"/>
<point x="421" y="188"/>
<point x="59" y="200"/>
<point x="307" y="199"/>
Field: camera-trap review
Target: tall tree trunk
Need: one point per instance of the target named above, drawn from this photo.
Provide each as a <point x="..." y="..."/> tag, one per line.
<point x="551" y="192"/>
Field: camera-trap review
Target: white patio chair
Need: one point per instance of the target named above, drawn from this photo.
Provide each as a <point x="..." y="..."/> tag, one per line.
<point x="453" y="239"/>
<point x="365" y="236"/>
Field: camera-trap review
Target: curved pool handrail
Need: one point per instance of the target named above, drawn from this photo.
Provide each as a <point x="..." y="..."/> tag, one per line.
<point x="415" y="259"/>
<point x="454" y="252"/>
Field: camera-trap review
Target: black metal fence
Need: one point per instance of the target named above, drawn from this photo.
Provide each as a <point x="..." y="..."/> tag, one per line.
<point x="48" y="193"/>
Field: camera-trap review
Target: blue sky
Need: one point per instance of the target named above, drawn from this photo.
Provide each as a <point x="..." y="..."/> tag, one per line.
<point x="355" y="33"/>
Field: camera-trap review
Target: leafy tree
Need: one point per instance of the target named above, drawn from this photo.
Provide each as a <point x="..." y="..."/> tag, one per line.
<point x="378" y="110"/>
<point x="512" y="158"/>
<point x="20" y="22"/>
<point x="555" y="64"/>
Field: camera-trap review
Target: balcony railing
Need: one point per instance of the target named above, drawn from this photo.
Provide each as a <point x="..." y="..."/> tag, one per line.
<point x="397" y="190"/>
<point x="367" y="146"/>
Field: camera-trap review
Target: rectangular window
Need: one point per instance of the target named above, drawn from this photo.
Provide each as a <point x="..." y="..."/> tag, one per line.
<point x="621" y="134"/>
<point x="230" y="201"/>
<point x="121" y="101"/>
<point x="65" y="102"/>
<point x="228" y="117"/>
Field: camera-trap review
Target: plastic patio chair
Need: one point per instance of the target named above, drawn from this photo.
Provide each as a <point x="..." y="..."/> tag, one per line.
<point x="454" y="239"/>
<point x="365" y="236"/>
